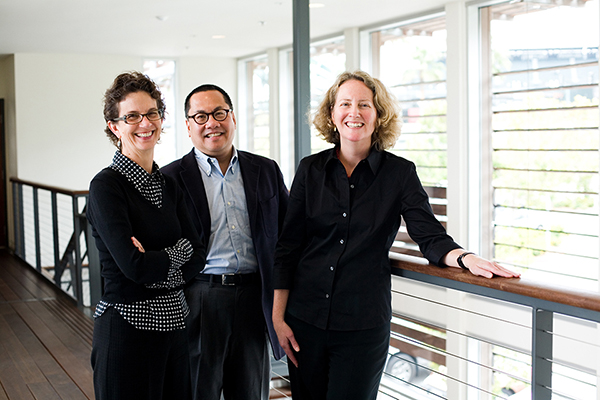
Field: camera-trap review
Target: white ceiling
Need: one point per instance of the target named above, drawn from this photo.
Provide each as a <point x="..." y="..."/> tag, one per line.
<point x="174" y="28"/>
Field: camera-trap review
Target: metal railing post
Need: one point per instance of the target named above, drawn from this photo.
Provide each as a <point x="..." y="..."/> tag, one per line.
<point x="36" y="230"/>
<point x="55" y="239"/>
<point x="18" y="220"/>
<point x="541" y="354"/>
<point x="76" y="279"/>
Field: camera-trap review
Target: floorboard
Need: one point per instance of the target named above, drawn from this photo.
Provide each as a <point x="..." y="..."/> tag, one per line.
<point x="45" y="340"/>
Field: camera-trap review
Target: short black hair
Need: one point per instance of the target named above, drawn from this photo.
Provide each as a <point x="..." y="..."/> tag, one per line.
<point x="206" y="88"/>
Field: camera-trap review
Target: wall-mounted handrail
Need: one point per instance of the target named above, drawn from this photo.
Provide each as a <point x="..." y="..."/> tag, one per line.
<point x="544" y="299"/>
<point x="526" y="291"/>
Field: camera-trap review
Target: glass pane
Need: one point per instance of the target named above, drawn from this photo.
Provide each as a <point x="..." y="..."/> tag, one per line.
<point x="162" y="72"/>
<point x="412" y="63"/>
<point x="327" y="61"/>
<point x="544" y="138"/>
<point x="257" y="107"/>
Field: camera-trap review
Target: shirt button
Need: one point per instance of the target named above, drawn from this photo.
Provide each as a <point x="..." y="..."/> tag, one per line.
<point x="331" y="268"/>
<point x="342" y="241"/>
<point x="326" y="296"/>
<point x="351" y="186"/>
<point x="232" y="226"/>
<point x="344" y="215"/>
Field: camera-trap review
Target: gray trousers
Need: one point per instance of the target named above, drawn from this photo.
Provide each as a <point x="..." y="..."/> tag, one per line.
<point x="228" y="342"/>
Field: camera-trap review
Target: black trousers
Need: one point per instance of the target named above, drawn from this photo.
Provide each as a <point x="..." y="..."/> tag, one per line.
<point x="228" y="342"/>
<point x="337" y="365"/>
<point x="131" y="363"/>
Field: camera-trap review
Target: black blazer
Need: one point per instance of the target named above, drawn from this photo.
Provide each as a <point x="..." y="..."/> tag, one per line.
<point x="267" y="200"/>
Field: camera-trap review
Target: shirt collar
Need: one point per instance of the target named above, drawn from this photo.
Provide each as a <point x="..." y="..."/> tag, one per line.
<point x="206" y="162"/>
<point x="373" y="159"/>
<point x="133" y="171"/>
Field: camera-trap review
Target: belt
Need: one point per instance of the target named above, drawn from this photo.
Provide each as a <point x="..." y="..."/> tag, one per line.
<point x="229" y="279"/>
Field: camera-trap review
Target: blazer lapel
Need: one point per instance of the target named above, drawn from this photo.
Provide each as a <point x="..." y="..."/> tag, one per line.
<point x="192" y="180"/>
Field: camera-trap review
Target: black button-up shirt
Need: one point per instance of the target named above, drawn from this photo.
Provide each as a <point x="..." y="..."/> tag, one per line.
<point x="333" y="252"/>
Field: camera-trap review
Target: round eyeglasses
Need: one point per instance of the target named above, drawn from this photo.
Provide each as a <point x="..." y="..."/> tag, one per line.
<point x="136" y="118"/>
<point x="201" y="117"/>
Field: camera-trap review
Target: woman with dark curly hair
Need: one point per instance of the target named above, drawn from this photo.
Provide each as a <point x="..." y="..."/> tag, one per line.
<point x="332" y="276"/>
<point x="148" y="250"/>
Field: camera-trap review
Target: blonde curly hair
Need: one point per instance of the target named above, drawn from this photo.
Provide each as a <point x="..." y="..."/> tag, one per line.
<point x="387" y="125"/>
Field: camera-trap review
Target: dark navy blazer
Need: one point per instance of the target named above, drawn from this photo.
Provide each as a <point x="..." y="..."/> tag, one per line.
<point x="267" y="200"/>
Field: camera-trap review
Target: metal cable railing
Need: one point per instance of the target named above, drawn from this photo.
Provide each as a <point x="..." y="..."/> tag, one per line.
<point x="52" y="234"/>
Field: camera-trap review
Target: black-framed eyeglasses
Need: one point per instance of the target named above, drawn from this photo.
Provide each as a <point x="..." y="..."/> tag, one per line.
<point x="201" y="117"/>
<point x="136" y="118"/>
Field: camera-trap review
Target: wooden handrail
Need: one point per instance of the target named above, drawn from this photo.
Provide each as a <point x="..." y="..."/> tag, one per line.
<point x="51" y="188"/>
<point x="585" y="299"/>
<point x="524" y="286"/>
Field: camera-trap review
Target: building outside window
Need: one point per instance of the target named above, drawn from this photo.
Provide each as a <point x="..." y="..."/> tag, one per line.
<point x="543" y="130"/>
<point x="410" y="59"/>
<point x="541" y="162"/>
<point x="541" y="149"/>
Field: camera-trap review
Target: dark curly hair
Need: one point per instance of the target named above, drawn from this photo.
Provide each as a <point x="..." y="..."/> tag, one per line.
<point x="123" y="85"/>
<point x="387" y="125"/>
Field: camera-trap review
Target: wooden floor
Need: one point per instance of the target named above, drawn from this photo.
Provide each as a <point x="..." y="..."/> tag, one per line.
<point x="45" y="341"/>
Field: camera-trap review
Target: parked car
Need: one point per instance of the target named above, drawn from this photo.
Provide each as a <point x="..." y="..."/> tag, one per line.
<point x="406" y="367"/>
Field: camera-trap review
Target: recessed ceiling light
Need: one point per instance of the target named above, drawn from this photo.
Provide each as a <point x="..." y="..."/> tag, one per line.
<point x="316" y="5"/>
<point x="218" y="36"/>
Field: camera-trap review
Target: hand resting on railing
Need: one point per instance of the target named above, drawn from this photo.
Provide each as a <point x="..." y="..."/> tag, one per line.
<point x="477" y="265"/>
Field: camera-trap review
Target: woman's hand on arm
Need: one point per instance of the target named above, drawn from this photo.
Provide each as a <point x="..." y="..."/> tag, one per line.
<point x="137" y="244"/>
<point x="284" y="332"/>
<point x="478" y="265"/>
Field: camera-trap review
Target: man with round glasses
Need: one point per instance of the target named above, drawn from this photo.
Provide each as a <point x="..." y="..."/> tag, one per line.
<point x="237" y="200"/>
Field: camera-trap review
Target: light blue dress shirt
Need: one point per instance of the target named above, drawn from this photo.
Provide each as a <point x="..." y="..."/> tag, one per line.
<point x="230" y="246"/>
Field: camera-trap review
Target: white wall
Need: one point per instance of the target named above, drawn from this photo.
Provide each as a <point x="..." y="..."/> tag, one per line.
<point x="195" y="71"/>
<point x="60" y="139"/>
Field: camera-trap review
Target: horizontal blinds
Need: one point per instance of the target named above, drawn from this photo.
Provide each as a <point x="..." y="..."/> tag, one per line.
<point x="545" y="147"/>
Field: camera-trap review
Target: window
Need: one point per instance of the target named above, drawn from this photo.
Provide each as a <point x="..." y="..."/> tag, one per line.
<point x="543" y="103"/>
<point x="410" y="59"/>
<point x="162" y="72"/>
<point x="327" y="61"/>
<point x="254" y="106"/>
